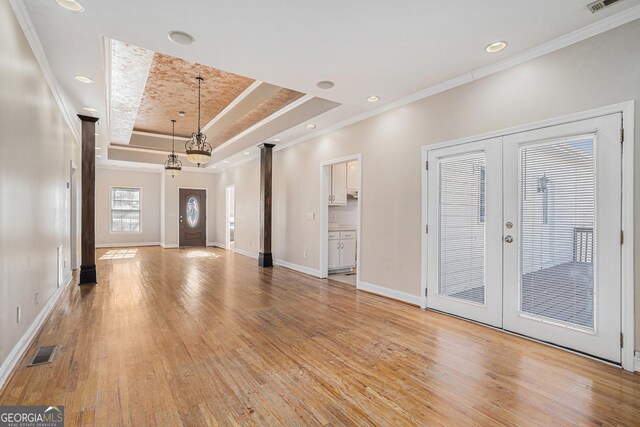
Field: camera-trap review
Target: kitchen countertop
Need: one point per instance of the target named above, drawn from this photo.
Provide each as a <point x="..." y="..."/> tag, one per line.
<point x="342" y="228"/>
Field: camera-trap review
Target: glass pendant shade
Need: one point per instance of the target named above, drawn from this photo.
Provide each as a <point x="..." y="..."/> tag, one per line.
<point x="173" y="166"/>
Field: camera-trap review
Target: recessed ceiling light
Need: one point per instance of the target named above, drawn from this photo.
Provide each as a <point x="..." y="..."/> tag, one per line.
<point x="373" y="98"/>
<point x="496" y="46"/>
<point x="98" y="156"/>
<point x="276" y="140"/>
<point x="180" y="37"/>
<point x="246" y="153"/>
<point x="71" y="5"/>
<point x="97" y="134"/>
<point x="181" y="113"/>
<point x="325" y="84"/>
<point x="98" y="148"/>
<point x="83" y="79"/>
<point x="311" y="126"/>
<point x="226" y="161"/>
<point x="90" y="109"/>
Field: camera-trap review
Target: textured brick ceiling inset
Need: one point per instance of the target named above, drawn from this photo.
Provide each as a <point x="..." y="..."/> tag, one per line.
<point x="129" y="69"/>
<point x="171" y="87"/>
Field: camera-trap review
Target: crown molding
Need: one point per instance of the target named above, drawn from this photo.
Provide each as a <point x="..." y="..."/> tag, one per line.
<point x="154" y="135"/>
<point x="588" y="31"/>
<point x="128" y="147"/>
<point x="22" y="15"/>
<point x="221" y="166"/>
<point x="129" y="169"/>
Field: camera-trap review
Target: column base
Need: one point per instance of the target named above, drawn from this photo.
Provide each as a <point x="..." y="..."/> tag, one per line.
<point x="265" y="260"/>
<point x="88" y="275"/>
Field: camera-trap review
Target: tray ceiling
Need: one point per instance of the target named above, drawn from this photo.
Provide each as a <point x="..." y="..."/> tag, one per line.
<point x="149" y="89"/>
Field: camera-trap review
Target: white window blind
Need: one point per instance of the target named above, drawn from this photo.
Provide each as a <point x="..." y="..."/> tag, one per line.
<point x="462" y="205"/>
<point x="125" y="209"/>
<point x="557" y="192"/>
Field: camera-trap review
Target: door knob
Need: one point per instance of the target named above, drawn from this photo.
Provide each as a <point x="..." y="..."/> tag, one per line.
<point x="508" y="239"/>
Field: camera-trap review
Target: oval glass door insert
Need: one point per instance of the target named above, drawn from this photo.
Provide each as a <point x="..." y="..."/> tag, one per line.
<point x="193" y="212"/>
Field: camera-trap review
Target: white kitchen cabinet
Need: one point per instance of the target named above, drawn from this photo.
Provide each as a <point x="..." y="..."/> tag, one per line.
<point x="342" y="250"/>
<point x="348" y="253"/>
<point x="338" y="187"/>
<point x="334" y="254"/>
<point x="352" y="176"/>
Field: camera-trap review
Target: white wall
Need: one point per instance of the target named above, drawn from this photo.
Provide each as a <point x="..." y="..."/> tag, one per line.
<point x="34" y="198"/>
<point x="247" y="220"/>
<point x="596" y="72"/>
<point x="149" y="182"/>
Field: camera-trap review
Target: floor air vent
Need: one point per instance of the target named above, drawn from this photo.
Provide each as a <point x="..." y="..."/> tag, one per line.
<point x="44" y="355"/>
<point x="597" y="6"/>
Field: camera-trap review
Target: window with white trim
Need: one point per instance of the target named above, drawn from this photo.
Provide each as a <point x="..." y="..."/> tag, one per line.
<point x="125" y="210"/>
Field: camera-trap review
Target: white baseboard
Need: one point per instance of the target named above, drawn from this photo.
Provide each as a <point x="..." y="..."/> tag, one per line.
<point x="217" y="245"/>
<point x="636" y="362"/>
<point x="126" y="245"/>
<point x="390" y="293"/>
<point x="169" y="246"/>
<point x="9" y="364"/>
<point x="299" y="268"/>
<point x="246" y="253"/>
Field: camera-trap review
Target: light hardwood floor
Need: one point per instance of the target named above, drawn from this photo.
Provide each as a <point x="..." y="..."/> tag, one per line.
<point x="204" y="337"/>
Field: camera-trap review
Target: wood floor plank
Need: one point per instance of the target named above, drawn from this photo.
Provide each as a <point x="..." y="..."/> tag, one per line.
<point x="205" y="337"/>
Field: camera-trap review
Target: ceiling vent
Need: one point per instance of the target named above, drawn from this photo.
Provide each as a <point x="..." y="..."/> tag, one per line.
<point x="597" y="6"/>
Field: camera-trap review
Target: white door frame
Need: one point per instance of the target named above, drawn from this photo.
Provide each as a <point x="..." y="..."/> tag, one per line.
<point x="628" y="269"/>
<point x="227" y="229"/>
<point x="324" y="214"/>
<point x="73" y="184"/>
<point x="206" y="217"/>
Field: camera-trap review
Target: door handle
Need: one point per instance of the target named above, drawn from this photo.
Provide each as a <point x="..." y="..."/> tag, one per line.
<point x="508" y="239"/>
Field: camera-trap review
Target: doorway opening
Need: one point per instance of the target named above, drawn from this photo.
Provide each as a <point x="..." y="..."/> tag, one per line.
<point x="192" y="220"/>
<point x="340" y="215"/>
<point x="230" y="217"/>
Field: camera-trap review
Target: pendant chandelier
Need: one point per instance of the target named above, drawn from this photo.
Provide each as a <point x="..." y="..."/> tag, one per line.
<point x="173" y="166"/>
<point x="197" y="148"/>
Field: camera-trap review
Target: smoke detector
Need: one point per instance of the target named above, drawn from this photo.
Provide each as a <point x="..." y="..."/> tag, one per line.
<point x="597" y="6"/>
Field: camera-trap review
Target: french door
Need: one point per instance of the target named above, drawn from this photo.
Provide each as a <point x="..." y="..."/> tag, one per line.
<point x="465" y="234"/>
<point x="531" y="242"/>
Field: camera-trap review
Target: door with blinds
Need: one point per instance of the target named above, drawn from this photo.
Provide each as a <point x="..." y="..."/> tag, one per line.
<point x="562" y="221"/>
<point x="524" y="234"/>
<point x="465" y="234"/>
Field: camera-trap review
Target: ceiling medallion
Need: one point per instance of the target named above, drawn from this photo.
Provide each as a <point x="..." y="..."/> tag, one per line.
<point x="173" y="166"/>
<point x="197" y="148"/>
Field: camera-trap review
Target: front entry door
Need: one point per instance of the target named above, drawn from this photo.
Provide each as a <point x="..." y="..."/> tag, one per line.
<point x="193" y="217"/>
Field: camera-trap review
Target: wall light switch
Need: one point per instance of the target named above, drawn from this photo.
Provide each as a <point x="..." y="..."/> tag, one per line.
<point x="19" y="314"/>
<point x="311" y="216"/>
